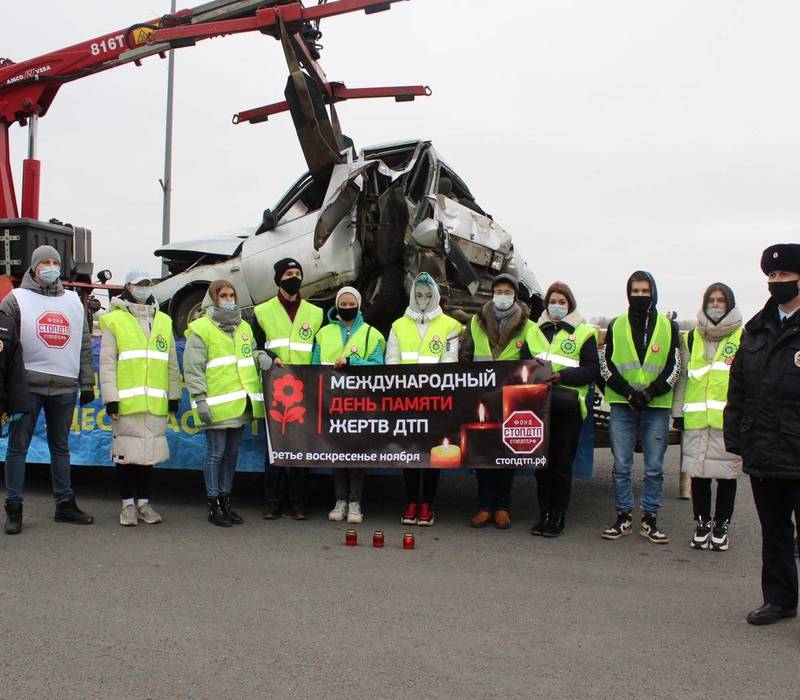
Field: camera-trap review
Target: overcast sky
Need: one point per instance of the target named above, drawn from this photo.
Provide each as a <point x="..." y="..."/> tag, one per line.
<point x="604" y="136"/>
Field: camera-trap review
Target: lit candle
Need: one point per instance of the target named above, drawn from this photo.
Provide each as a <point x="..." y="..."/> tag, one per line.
<point x="481" y="442"/>
<point x="523" y="397"/>
<point x="446" y="456"/>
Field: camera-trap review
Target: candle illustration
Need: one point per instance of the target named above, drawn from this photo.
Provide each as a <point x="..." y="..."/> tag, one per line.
<point x="481" y="441"/>
<point x="523" y="397"/>
<point x="446" y="456"/>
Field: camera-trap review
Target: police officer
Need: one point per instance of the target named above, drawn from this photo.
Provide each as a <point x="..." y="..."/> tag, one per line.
<point x="289" y="324"/>
<point x="762" y="424"/>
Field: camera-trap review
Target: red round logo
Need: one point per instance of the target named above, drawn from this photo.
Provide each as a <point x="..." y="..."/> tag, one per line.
<point x="656" y="347"/>
<point x="523" y="432"/>
<point x="53" y="329"/>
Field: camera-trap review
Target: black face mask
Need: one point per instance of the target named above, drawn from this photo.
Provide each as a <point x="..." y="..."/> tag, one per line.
<point x="783" y="292"/>
<point x="347" y="314"/>
<point x="639" y="305"/>
<point x="291" y="285"/>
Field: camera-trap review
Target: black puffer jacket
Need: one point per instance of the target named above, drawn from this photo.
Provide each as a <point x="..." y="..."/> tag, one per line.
<point x="14" y="396"/>
<point x="762" y="418"/>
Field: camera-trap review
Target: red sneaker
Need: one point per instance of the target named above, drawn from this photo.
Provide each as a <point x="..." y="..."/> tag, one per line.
<point x="410" y="516"/>
<point x="425" y="515"/>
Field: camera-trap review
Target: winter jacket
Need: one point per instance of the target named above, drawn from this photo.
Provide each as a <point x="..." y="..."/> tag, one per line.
<point x="703" y="452"/>
<point x="422" y="319"/>
<point x="53" y="384"/>
<point x="642" y="328"/>
<point x="489" y="324"/>
<point x="138" y="438"/>
<point x="762" y="418"/>
<point x="14" y="397"/>
<point x="376" y="358"/>
<point x="195" y="359"/>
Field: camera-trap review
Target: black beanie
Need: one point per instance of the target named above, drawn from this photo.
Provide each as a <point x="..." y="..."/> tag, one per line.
<point x="286" y="264"/>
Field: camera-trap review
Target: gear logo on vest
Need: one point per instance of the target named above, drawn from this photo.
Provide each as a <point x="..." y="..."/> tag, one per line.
<point x="435" y="346"/>
<point x="305" y="332"/>
<point x="161" y="343"/>
<point x="247" y="351"/>
<point x="568" y="345"/>
<point x="729" y="351"/>
<point x="53" y="329"/>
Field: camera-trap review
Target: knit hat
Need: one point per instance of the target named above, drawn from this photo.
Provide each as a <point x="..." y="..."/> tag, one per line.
<point x="561" y="288"/>
<point x="43" y="252"/>
<point x="505" y="277"/>
<point x="217" y="286"/>
<point x="781" y="256"/>
<point x="286" y="264"/>
<point x="349" y="290"/>
<point x="137" y="275"/>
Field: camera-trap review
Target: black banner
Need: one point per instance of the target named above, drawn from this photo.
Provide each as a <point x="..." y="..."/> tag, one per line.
<point x="488" y="415"/>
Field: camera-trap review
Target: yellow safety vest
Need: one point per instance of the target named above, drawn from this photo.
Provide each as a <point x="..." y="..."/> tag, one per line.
<point x="142" y="363"/>
<point x="483" y="351"/>
<point x="564" y="351"/>
<point x="231" y="373"/>
<point x="707" y="385"/>
<point x="293" y="343"/>
<point x="640" y="375"/>
<point x="430" y="349"/>
<point x="332" y="347"/>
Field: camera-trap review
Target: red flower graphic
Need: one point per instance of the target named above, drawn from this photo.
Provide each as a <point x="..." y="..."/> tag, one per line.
<point x="287" y="391"/>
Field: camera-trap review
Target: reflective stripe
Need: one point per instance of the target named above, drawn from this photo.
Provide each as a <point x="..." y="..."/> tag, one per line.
<point x="258" y="396"/>
<point x="705" y="369"/>
<point x="277" y="343"/>
<point x="143" y="355"/>
<point x="628" y="366"/>
<point x="428" y="360"/>
<point x="649" y="367"/>
<point x="221" y="361"/>
<point x="327" y="364"/>
<point x="224" y="398"/>
<point x="409" y="355"/>
<point x="482" y="358"/>
<point x="142" y="391"/>
<point x="699" y="406"/>
<point x="246" y="362"/>
<point x="716" y="405"/>
<point x="301" y="347"/>
<point x="560" y="359"/>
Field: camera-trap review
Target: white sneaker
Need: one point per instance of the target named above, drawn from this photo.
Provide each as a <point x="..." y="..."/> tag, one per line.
<point x="147" y="514"/>
<point x="339" y="511"/>
<point x="354" y="514"/>
<point x="128" y="516"/>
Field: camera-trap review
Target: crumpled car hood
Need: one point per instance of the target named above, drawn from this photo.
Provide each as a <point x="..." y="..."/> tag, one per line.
<point x="217" y="246"/>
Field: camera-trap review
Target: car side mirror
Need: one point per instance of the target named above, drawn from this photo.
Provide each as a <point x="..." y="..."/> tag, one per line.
<point x="426" y="233"/>
<point x="103" y="276"/>
<point x="268" y="222"/>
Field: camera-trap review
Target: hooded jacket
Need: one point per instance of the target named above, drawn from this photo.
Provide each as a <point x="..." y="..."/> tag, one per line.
<point x="703" y="452"/>
<point x="762" y="417"/>
<point x="376" y="358"/>
<point x="642" y="328"/>
<point x="138" y="438"/>
<point x="52" y="384"/>
<point x="422" y="320"/>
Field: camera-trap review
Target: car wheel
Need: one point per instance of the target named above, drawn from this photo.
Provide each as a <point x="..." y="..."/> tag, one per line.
<point x="389" y="302"/>
<point x="187" y="309"/>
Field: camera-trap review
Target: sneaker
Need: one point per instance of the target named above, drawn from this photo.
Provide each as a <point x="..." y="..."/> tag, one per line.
<point x="128" y="517"/>
<point x="719" y="536"/>
<point x="623" y="526"/>
<point x="426" y="516"/>
<point x="649" y="529"/>
<point x="354" y="514"/>
<point x="147" y="514"/>
<point x="339" y="512"/>
<point x="702" y="534"/>
<point x="410" y="516"/>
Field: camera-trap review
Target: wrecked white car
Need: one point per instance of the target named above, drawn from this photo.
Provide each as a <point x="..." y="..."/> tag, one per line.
<point x="384" y="215"/>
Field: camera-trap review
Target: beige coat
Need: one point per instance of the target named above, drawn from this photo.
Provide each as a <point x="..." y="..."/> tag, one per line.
<point x="140" y="438"/>
<point x="703" y="452"/>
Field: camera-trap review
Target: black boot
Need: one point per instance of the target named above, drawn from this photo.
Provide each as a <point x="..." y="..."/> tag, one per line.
<point x="556" y="525"/>
<point x="68" y="512"/>
<point x="544" y="522"/>
<point x="216" y="515"/>
<point x="232" y="515"/>
<point x="13" y="524"/>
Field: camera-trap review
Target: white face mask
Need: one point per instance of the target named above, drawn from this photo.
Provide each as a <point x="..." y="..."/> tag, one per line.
<point x="715" y="314"/>
<point x="557" y="311"/>
<point x="140" y="293"/>
<point x="503" y="301"/>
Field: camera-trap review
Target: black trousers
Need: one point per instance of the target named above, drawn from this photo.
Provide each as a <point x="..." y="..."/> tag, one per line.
<point x="701" y="499"/>
<point x="776" y="500"/>
<point x="284" y="484"/>
<point x="554" y="484"/>
<point x="430" y="482"/>
<point x="134" y="481"/>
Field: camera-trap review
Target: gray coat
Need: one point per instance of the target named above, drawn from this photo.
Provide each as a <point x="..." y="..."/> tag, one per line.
<point x="703" y="452"/>
<point x="139" y="438"/>
<point x="53" y="384"/>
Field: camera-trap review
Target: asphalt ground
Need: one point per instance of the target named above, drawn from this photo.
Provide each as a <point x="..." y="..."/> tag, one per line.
<point x="284" y="609"/>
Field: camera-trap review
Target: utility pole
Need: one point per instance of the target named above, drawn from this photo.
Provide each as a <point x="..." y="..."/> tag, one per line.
<point x="166" y="182"/>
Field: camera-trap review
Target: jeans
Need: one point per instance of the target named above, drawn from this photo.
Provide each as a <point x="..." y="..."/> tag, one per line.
<point x="494" y="489"/>
<point x="624" y="427"/>
<point x="222" y="450"/>
<point x="58" y="412"/>
<point x="348" y="484"/>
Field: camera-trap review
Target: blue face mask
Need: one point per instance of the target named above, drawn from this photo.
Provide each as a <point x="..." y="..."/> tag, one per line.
<point x="557" y="311"/>
<point x="227" y="305"/>
<point x="48" y="275"/>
